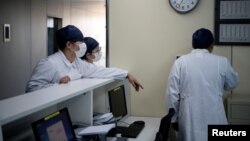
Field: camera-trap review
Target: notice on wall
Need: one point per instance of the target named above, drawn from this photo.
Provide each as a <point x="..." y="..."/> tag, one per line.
<point x="234" y="33"/>
<point x="235" y="9"/>
<point x="232" y="22"/>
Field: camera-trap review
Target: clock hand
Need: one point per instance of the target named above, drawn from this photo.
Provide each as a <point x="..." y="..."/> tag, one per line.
<point x="181" y="2"/>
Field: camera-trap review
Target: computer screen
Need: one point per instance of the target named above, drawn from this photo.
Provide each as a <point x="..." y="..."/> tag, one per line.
<point x="56" y="126"/>
<point x="117" y="102"/>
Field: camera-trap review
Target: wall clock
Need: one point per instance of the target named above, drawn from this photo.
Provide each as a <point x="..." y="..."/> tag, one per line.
<point x="183" y="6"/>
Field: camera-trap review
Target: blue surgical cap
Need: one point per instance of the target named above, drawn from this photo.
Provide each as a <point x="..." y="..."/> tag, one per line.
<point x="91" y="44"/>
<point x="68" y="33"/>
<point x="202" y="38"/>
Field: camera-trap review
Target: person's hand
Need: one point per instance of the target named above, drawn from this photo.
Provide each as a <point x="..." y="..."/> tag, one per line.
<point x="134" y="82"/>
<point x="64" y="79"/>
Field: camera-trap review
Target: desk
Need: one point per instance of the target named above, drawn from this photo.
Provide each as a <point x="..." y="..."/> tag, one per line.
<point x="81" y="97"/>
<point x="151" y="128"/>
<point x="148" y="133"/>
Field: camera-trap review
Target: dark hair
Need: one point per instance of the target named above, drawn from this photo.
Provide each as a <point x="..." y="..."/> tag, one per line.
<point x="202" y="38"/>
<point x="68" y="33"/>
<point x="91" y="44"/>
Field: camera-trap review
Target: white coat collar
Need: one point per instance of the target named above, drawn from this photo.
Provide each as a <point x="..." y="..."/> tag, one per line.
<point x="199" y="51"/>
<point x="65" y="60"/>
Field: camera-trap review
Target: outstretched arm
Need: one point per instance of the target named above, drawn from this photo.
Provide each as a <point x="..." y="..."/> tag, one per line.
<point x="93" y="71"/>
<point x="134" y="82"/>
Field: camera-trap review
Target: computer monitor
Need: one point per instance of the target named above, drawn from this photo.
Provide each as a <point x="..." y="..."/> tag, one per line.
<point x="117" y="102"/>
<point x="56" y="126"/>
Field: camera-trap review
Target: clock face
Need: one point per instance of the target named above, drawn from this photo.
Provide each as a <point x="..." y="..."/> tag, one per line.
<point x="183" y="6"/>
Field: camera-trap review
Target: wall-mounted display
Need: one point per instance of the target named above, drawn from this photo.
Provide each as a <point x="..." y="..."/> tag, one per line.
<point x="232" y="22"/>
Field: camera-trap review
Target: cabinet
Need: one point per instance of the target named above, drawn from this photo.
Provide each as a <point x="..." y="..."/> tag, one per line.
<point x="81" y="97"/>
<point x="238" y="109"/>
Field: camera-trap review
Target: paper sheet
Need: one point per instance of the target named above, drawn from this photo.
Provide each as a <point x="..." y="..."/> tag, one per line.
<point x="92" y="130"/>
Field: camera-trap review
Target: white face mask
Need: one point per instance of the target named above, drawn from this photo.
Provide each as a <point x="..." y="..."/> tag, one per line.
<point x="81" y="51"/>
<point x="98" y="56"/>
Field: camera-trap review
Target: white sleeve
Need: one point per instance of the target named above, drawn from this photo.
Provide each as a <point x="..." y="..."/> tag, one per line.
<point x="232" y="79"/>
<point x="93" y="71"/>
<point x="172" y="93"/>
<point x="42" y="76"/>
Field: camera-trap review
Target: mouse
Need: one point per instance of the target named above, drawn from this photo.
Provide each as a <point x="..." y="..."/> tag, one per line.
<point x="139" y="122"/>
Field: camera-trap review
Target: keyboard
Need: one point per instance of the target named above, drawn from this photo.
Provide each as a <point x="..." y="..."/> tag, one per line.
<point x="133" y="130"/>
<point x="120" y="129"/>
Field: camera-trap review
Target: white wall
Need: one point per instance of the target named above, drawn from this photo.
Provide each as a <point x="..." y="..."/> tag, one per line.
<point x="28" y="19"/>
<point x="15" y="58"/>
<point x="90" y="17"/>
<point x="145" y="37"/>
<point x="241" y="56"/>
<point x="38" y="31"/>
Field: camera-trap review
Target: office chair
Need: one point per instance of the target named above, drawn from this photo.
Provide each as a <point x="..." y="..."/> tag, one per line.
<point x="163" y="133"/>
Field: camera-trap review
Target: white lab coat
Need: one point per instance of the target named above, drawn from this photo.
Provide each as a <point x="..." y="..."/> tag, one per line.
<point x="50" y="70"/>
<point x="195" y="90"/>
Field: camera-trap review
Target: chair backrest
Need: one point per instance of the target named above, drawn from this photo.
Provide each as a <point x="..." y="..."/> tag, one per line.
<point x="163" y="133"/>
